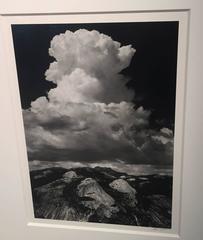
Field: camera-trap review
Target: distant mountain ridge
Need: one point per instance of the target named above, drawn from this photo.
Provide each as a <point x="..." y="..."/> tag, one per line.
<point x="102" y="195"/>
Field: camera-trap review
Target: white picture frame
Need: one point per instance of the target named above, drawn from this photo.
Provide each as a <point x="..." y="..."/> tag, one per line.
<point x="17" y="212"/>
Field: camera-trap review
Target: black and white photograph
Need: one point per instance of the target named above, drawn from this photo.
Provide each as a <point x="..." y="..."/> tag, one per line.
<point x="98" y="104"/>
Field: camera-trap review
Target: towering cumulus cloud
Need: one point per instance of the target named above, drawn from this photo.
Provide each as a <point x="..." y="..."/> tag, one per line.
<point x="87" y="68"/>
<point x="89" y="116"/>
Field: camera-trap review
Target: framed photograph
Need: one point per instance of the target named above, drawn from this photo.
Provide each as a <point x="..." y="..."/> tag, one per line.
<point x="98" y="115"/>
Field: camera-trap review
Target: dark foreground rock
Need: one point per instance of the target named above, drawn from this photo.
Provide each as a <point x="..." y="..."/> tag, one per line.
<point x="102" y="195"/>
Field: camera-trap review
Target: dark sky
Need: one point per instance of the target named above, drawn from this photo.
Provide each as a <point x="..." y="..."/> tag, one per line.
<point x="152" y="71"/>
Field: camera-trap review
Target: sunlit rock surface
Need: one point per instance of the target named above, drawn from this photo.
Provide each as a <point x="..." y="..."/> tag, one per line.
<point x="102" y="195"/>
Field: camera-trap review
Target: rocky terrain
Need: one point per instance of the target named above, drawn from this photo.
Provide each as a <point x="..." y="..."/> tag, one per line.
<point x="102" y="195"/>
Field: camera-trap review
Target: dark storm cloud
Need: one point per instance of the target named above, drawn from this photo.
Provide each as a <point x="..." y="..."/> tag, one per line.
<point x="89" y="155"/>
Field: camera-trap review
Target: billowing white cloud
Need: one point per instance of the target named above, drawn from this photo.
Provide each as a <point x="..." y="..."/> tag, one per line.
<point x="104" y="130"/>
<point x="89" y="117"/>
<point x="88" y="65"/>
